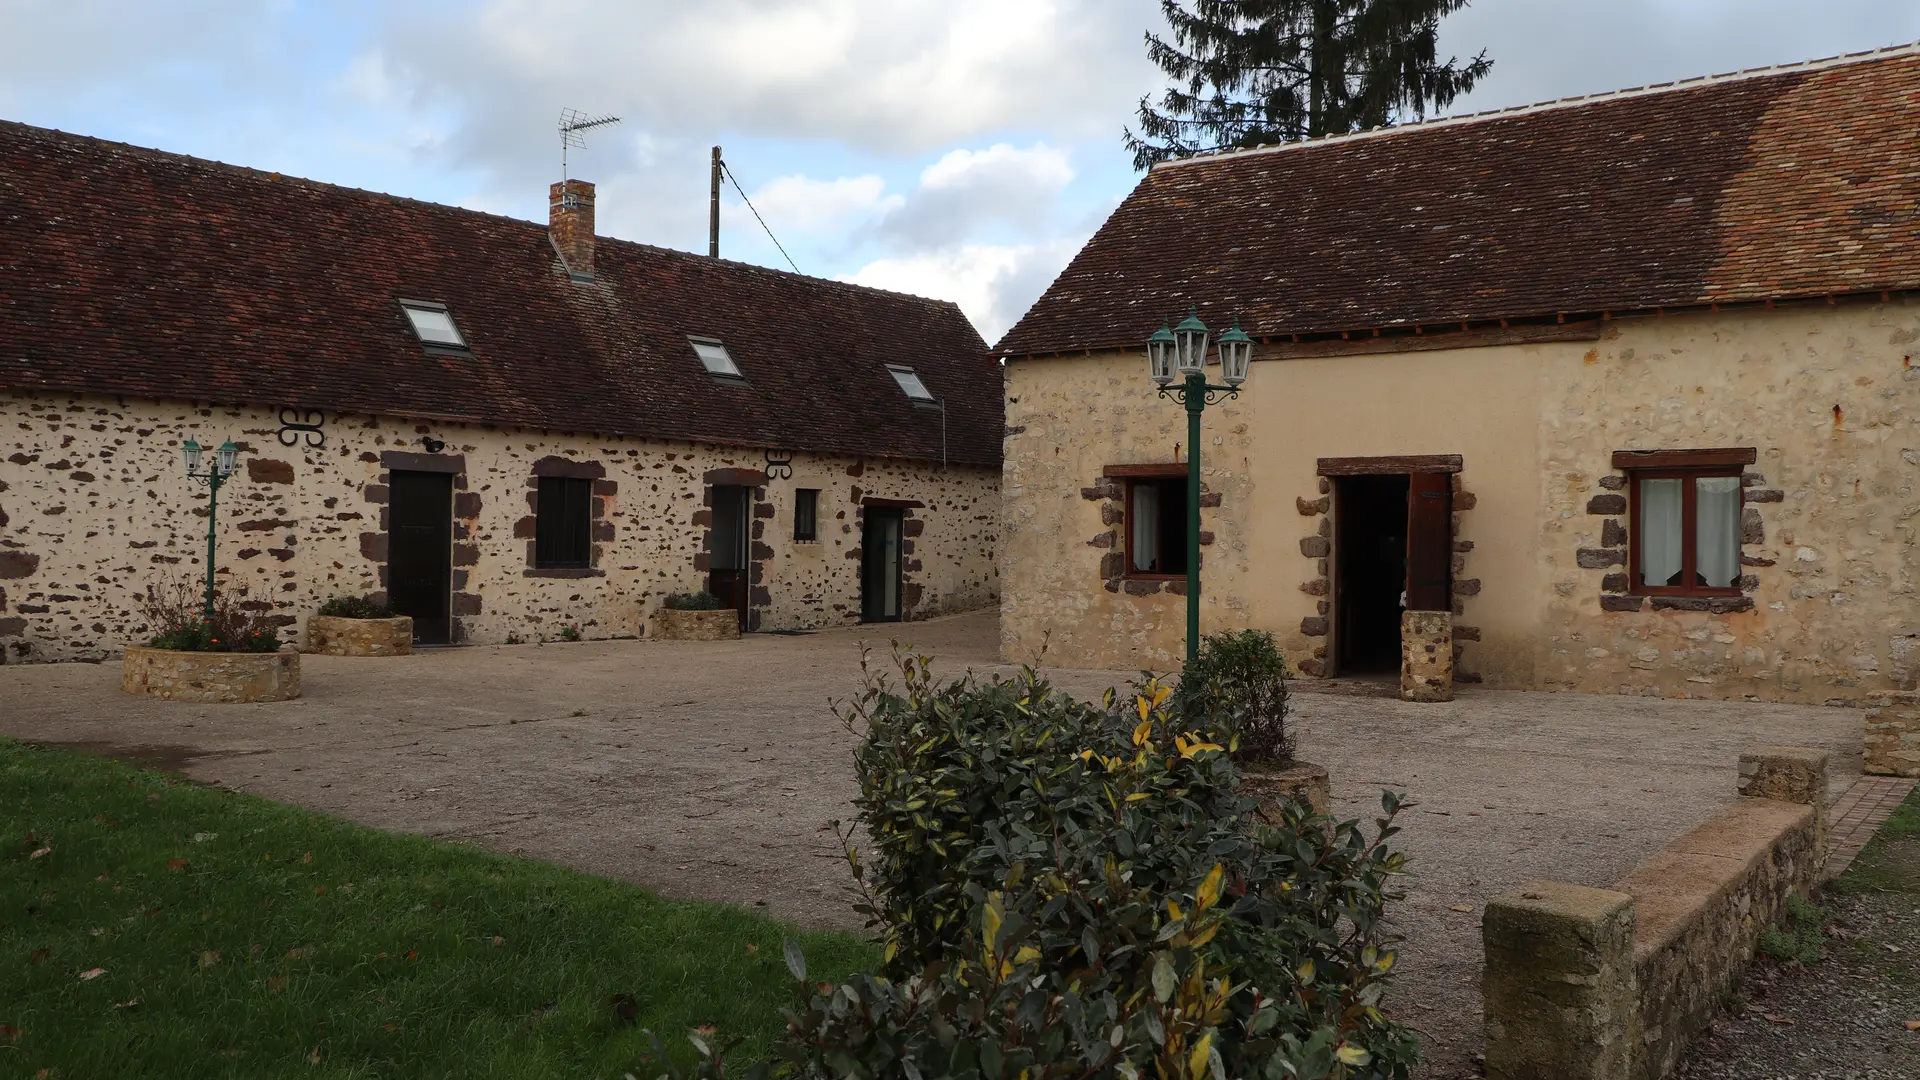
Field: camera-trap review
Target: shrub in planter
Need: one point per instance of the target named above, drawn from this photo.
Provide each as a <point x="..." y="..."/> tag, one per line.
<point x="694" y="601"/>
<point x="1071" y="890"/>
<point x="176" y="613"/>
<point x="1238" y="685"/>
<point x="354" y="607"/>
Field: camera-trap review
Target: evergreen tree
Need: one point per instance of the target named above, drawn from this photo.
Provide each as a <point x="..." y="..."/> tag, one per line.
<point x="1251" y="72"/>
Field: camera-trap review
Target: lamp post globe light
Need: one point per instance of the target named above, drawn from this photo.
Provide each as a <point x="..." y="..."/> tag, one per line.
<point x="216" y="474"/>
<point x="1184" y="348"/>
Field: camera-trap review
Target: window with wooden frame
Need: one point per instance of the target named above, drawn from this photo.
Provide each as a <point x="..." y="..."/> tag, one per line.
<point x="1156" y="526"/>
<point x="806" y="516"/>
<point x="1685" y="508"/>
<point x="563" y="527"/>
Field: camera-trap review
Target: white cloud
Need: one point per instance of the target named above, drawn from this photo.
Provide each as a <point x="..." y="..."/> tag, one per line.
<point x="993" y="284"/>
<point x="804" y="204"/>
<point x="967" y="190"/>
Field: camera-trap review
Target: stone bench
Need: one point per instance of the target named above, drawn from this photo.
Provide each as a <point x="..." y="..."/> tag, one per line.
<point x="1612" y="984"/>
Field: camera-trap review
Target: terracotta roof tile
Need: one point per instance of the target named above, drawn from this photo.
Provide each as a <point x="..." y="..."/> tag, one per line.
<point x="136" y="272"/>
<point x="1792" y="182"/>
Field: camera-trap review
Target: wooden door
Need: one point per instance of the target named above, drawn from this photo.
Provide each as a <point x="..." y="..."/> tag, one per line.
<point x="420" y="553"/>
<point x="1430" y="542"/>
<point x="880" y="557"/>
<point x="728" y="567"/>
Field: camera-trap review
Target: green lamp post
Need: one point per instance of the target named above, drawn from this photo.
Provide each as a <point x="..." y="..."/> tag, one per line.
<point x="216" y="474"/>
<point x="1183" y="349"/>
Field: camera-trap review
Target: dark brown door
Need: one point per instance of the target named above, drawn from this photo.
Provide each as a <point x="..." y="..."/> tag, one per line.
<point x="420" y="552"/>
<point x="727" y="563"/>
<point x="1430" y="542"/>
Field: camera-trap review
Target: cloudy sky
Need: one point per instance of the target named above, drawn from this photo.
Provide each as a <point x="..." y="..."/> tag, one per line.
<point x="962" y="149"/>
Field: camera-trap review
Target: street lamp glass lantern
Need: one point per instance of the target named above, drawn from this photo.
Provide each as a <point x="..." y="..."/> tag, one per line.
<point x="190" y="450"/>
<point x="1236" y="354"/>
<point x="228" y="452"/>
<point x="1191" y="339"/>
<point x="1160" y="350"/>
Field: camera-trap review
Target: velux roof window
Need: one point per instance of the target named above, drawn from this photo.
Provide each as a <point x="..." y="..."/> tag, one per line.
<point x="910" y="383"/>
<point x="719" y="363"/>
<point x="432" y="323"/>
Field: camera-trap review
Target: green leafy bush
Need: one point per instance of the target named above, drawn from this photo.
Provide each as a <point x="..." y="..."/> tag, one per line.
<point x="1799" y="937"/>
<point x="694" y="601"/>
<point x="1071" y="890"/>
<point x="1238" y="685"/>
<point x="176" y="613"/>
<point x="355" y="607"/>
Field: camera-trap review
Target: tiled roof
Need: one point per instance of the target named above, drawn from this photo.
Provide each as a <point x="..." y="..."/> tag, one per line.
<point x="1765" y="185"/>
<point x="135" y="272"/>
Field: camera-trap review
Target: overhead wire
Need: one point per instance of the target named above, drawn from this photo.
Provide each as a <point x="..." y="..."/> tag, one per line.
<point x="728" y="169"/>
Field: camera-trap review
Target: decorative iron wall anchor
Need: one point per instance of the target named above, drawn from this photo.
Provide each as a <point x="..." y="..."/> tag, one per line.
<point x="779" y="464"/>
<point x="296" y="424"/>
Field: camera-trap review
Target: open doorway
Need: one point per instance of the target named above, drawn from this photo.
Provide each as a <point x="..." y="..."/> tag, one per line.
<point x="1371" y="558"/>
<point x="880" y="558"/>
<point x="728" y="569"/>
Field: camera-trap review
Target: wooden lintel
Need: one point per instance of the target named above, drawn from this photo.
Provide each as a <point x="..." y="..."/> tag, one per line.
<point x="1684" y="459"/>
<point x="1145" y="470"/>
<point x="1391" y="465"/>
<point x="896" y="504"/>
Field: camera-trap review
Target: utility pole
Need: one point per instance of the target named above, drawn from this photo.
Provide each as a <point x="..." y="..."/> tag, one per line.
<point x="713" y="209"/>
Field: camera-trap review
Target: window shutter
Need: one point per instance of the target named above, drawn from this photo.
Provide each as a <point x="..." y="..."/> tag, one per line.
<point x="1430" y="542"/>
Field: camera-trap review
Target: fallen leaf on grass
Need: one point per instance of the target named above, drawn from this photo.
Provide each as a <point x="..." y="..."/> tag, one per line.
<point x="176" y="864"/>
<point x="276" y="984"/>
<point x="498" y="941"/>
<point x="413" y="954"/>
<point x="92" y="973"/>
<point x="9" y="1033"/>
<point x="753" y="948"/>
<point x="1462" y="907"/>
<point x="295" y="954"/>
<point x="1775" y="1018"/>
<point x="41" y="851"/>
<point x="319" y="890"/>
<point x="314" y="1058"/>
<point x="209" y="958"/>
<point x="130" y="1003"/>
<point x="307" y="858"/>
<point x="203" y="837"/>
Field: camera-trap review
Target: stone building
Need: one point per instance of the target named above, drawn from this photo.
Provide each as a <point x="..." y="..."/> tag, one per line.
<point x="1628" y="381"/>
<point x="504" y="429"/>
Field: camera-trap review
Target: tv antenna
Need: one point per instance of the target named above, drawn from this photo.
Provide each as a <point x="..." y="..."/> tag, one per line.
<point x="573" y="125"/>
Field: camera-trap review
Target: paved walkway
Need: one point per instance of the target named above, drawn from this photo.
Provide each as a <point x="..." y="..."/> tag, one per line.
<point x="714" y="770"/>
<point x="1858" y="813"/>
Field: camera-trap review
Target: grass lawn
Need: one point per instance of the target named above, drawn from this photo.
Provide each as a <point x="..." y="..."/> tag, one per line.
<point x="1886" y="865"/>
<point x="155" y="928"/>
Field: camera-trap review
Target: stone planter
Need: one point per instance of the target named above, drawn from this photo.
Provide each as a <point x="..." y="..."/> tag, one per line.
<point x="670" y="625"/>
<point x="1300" y="780"/>
<point x="211" y="677"/>
<point x="1426" y="655"/>
<point x="329" y="635"/>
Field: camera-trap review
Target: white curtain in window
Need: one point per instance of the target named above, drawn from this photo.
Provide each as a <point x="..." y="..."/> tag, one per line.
<point x="1146" y="527"/>
<point x="1717" y="509"/>
<point x="1660" y="532"/>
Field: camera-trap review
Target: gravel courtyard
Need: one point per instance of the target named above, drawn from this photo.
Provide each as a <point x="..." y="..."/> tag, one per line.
<point x="712" y="769"/>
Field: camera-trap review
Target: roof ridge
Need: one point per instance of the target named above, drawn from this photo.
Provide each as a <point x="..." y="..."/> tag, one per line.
<point x="269" y="175"/>
<point x="1577" y="100"/>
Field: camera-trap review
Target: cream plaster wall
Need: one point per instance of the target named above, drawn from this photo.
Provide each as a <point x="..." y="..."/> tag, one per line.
<point x="93" y="505"/>
<point x="1835" y="613"/>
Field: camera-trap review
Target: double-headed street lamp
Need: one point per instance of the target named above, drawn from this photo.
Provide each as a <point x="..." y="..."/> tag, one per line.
<point x="216" y="474"/>
<point x="1183" y="348"/>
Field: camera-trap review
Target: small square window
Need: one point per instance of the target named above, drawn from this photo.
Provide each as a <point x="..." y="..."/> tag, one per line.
<point x="719" y="363"/>
<point x="563" y="524"/>
<point x="806" y="516"/>
<point x="1157" y="527"/>
<point x="910" y="383"/>
<point x="432" y="324"/>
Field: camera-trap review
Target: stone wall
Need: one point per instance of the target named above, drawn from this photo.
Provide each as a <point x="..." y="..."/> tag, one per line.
<point x="1612" y="984"/>
<point x="1893" y="734"/>
<point x="93" y="506"/>
<point x="1828" y="397"/>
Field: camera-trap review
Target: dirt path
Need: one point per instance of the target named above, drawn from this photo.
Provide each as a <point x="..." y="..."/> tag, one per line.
<point x="712" y="770"/>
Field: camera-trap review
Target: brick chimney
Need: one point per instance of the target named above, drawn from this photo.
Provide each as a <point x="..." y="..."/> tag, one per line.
<point x="570" y="224"/>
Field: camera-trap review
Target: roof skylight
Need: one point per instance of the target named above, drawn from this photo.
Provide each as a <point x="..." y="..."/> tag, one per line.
<point x="714" y="355"/>
<point x="433" y="324"/>
<point x="910" y="383"/>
